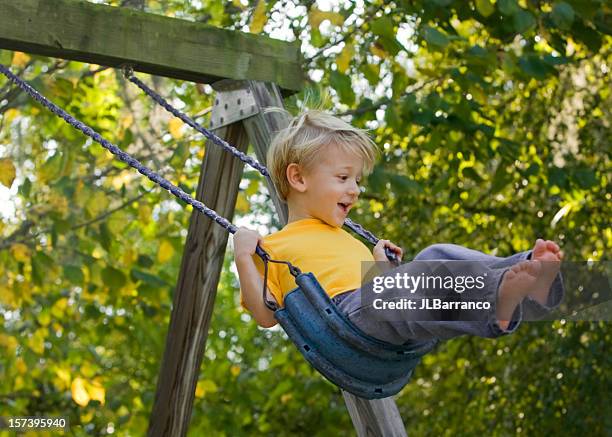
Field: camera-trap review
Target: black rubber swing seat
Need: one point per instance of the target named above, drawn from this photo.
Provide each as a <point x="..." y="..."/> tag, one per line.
<point x="333" y="345"/>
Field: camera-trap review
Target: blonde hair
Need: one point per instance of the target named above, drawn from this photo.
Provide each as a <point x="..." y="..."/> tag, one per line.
<point x="307" y="135"/>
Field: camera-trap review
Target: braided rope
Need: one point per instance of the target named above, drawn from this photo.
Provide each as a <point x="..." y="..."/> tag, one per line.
<point x="129" y="74"/>
<point x="360" y="230"/>
<point x="123" y="156"/>
<point x="188" y="120"/>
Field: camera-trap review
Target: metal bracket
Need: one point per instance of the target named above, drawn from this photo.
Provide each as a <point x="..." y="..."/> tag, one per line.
<point x="234" y="102"/>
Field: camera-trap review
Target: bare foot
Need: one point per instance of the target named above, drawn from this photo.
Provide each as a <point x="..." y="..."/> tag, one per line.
<point x="518" y="281"/>
<point x="550" y="256"/>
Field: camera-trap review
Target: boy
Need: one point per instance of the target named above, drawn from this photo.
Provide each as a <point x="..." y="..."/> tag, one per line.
<point x="316" y="164"/>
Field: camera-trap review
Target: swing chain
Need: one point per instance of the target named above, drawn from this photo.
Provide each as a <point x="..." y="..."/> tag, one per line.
<point x="295" y="272"/>
<point x="360" y="230"/>
<point x="190" y="122"/>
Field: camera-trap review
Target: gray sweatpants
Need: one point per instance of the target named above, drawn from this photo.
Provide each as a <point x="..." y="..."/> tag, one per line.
<point x="485" y="324"/>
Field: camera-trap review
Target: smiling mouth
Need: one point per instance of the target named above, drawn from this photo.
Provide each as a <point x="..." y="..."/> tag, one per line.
<point x="345" y="207"/>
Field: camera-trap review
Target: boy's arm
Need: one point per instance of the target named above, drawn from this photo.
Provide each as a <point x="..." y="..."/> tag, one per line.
<point x="251" y="286"/>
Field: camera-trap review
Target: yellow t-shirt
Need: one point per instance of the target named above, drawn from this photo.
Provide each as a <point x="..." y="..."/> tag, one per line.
<point x="330" y="253"/>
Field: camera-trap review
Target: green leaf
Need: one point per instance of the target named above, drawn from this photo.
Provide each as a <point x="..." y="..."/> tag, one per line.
<point x="317" y="40"/>
<point x="371" y="73"/>
<point x="51" y="169"/>
<point x="62" y="226"/>
<point x="471" y="173"/>
<point x="585" y="178"/>
<point x="478" y="51"/>
<point x="25" y="188"/>
<point x="489" y="131"/>
<point x="508" y="7"/>
<point x="500" y="179"/>
<point x="523" y="21"/>
<point x="180" y="155"/>
<point x="105" y="236"/>
<point x="402" y="184"/>
<point x="562" y="15"/>
<point x="587" y="35"/>
<point x="534" y="66"/>
<point x="113" y="278"/>
<point x="603" y="21"/>
<point x="557" y="176"/>
<point x="409" y="106"/>
<point x="392" y="117"/>
<point x="6" y="56"/>
<point x="118" y="222"/>
<point x="435" y="37"/>
<point x="423" y="117"/>
<point x="74" y="274"/>
<point x="555" y="60"/>
<point x="383" y="26"/>
<point x="485" y="7"/>
<point x="342" y="84"/>
<point x="259" y="17"/>
<point x="532" y="170"/>
<point x="145" y="261"/>
<point x="390" y="45"/>
<point x="42" y="268"/>
<point x="399" y="83"/>
<point x="38" y="271"/>
<point x="139" y="275"/>
<point x="376" y="180"/>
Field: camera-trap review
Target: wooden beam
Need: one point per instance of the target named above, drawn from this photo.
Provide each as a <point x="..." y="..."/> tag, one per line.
<point x="155" y="44"/>
<point x="196" y="288"/>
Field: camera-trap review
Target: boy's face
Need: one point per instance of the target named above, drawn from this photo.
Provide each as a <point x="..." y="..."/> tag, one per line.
<point x="332" y="185"/>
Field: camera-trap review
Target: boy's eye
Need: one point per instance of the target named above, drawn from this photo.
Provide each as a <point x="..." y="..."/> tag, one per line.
<point x="343" y="177"/>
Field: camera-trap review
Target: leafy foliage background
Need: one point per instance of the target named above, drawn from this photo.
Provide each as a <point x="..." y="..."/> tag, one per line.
<point x="493" y="120"/>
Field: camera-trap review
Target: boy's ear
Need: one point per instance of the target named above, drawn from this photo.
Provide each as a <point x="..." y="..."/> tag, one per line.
<point x="295" y="177"/>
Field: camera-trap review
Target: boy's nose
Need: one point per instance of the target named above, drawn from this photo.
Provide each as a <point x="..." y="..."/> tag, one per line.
<point x="354" y="189"/>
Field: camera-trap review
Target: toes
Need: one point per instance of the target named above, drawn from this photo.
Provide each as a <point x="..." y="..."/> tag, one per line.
<point x="510" y="274"/>
<point x="530" y="267"/>
<point x="540" y="246"/>
<point x="552" y="246"/>
<point x="534" y="267"/>
<point x="517" y="268"/>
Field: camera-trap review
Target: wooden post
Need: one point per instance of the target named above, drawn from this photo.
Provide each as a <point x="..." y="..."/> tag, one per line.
<point x="261" y="129"/>
<point x="196" y="288"/>
<point x="378" y="417"/>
